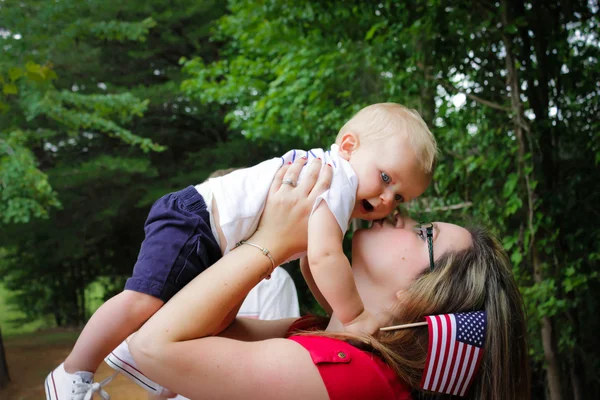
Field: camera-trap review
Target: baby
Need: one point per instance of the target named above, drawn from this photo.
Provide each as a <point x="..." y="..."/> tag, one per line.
<point x="383" y="156"/>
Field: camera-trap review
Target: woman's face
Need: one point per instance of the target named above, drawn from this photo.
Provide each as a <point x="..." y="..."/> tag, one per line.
<point x="393" y="255"/>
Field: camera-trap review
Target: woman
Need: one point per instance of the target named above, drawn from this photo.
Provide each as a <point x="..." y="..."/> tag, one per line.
<point x="398" y="284"/>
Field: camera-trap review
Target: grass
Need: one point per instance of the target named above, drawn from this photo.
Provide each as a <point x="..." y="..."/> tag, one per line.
<point x="94" y="295"/>
<point x="9" y="313"/>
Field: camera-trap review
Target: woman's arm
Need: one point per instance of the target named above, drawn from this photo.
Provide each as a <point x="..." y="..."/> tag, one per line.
<point x="167" y="349"/>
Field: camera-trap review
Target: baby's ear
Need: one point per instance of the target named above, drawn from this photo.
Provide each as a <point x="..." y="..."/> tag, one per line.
<point x="348" y="144"/>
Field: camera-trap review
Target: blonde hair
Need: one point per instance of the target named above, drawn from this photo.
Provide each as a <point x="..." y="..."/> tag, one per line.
<point x="477" y="278"/>
<point x="221" y="172"/>
<point x="383" y="120"/>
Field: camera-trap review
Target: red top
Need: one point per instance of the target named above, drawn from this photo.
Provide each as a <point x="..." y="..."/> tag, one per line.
<point x="350" y="373"/>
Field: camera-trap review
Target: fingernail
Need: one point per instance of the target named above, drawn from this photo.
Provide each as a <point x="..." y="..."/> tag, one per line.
<point x="329" y="165"/>
<point x="304" y="158"/>
<point x="319" y="158"/>
<point x="289" y="162"/>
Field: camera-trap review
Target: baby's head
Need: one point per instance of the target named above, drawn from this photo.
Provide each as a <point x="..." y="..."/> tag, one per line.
<point x="392" y="153"/>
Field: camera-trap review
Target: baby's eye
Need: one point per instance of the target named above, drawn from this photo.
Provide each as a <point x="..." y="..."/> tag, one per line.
<point x="385" y="178"/>
<point x="399" y="198"/>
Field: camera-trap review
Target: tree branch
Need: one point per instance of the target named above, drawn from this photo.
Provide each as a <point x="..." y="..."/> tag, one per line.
<point x="457" y="206"/>
<point x="471" y="96"/>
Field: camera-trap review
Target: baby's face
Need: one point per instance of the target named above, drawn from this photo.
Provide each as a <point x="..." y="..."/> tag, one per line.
<point x="388" y="174"/>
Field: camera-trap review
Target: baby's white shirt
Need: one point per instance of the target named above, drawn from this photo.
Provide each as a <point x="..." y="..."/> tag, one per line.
<point x="240" y="195"/>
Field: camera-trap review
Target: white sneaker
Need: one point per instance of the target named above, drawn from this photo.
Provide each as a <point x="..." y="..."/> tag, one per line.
<point x="60" y="385"/>
<point x="121" y="360"/>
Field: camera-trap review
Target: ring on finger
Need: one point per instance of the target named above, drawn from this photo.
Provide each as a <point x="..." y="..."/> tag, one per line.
<point x="289" y="182"/>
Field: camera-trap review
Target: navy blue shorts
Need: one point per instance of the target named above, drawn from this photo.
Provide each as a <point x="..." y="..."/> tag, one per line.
<point x="179" y="245"/>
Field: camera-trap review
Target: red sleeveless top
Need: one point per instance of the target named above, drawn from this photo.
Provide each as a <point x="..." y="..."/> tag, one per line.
<point x="350" y="373"/>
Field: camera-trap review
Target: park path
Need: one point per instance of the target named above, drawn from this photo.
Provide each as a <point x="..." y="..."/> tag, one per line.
<point x="30" y="357"/>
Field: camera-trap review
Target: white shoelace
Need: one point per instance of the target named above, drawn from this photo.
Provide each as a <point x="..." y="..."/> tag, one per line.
<point x="89" y="388"/>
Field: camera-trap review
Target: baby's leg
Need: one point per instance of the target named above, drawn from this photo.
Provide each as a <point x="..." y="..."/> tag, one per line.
<point x="114" y="321"/>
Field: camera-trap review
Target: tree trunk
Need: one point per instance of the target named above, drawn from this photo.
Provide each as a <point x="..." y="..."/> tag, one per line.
<point x="548" y="342"/>
<point x="576" y="383"/>
<point x="521" y="128"/>
<point x="4" y="376"/>
<point x="427" y="87"/>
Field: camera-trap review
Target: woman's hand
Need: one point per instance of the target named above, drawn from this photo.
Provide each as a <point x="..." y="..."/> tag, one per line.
<point x="284" y="222"/>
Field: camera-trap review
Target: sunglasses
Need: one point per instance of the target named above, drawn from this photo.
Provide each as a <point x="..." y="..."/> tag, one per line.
<point x="425" y="232"/>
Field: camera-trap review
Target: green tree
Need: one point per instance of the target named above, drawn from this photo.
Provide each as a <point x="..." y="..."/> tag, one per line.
<point x="115" y="54"/>
<point x="46" y="126"/>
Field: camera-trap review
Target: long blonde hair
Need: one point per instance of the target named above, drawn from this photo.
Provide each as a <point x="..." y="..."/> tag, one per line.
<point x="477" y="278"/>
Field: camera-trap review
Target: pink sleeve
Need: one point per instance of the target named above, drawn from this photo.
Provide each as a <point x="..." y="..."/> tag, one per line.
<point x="350" y="373"/>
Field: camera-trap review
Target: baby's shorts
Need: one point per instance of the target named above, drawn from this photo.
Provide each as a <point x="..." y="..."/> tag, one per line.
<point x="179" y="245"/>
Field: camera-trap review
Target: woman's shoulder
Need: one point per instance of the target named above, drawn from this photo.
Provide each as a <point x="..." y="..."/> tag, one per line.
<point x="351" y="373"/>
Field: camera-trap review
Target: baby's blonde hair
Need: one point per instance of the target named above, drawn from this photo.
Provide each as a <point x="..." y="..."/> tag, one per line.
<point x="382" y="120"/>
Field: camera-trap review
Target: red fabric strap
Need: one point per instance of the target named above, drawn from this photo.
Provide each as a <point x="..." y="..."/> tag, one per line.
<point x="350" y="373"/>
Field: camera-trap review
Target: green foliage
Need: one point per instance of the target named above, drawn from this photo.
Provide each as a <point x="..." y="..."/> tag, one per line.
<point x="292" y="71"/>
<point x="24" y="190"/>
<point x="119" y="30"/>
<point x="81" y="70"/>
<point x="33" y="110"/>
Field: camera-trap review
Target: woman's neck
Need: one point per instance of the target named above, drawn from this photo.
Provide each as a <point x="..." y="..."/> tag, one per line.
<point x="335" y="325"/>
<point x="377" y="301"/>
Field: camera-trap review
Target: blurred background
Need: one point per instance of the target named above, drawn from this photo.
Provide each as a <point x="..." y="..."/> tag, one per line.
<point x="107" y="105"/>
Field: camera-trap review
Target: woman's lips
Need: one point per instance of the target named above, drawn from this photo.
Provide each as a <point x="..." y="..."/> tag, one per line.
<point x="377" y="222"/>
<point x="398" y="221"/>
<point x="394" y="221"/>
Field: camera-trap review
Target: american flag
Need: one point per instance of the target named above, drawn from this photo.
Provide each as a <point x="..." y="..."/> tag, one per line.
<point x="455" y="350"/>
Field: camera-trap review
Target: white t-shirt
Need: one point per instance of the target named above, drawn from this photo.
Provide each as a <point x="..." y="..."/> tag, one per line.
<point x="273" y="298"/>
<point x="241" y="194"/>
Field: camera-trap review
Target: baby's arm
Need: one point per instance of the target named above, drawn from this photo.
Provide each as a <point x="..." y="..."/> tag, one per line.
<point x="332" y="272"/>
<point x="310" y="281"/>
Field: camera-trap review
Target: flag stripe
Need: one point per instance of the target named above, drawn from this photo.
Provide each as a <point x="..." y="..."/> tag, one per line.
<point x="451" y="347"/>
<point x="441" y="359"/>
<point x="476" y="368"/>
<point x="426" y="368"/>
<point x="448" y="350"/>
<point x="463" y="369"/>
<point x="432" y="351"/>
<point x="460" y="354"/>
<point x="468" y="367"/>
<point x="471" y="369"/>
<point x="439" y="355"/>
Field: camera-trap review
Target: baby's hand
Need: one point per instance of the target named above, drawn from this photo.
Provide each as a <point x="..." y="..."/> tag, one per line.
<point x="364" y="323"/>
